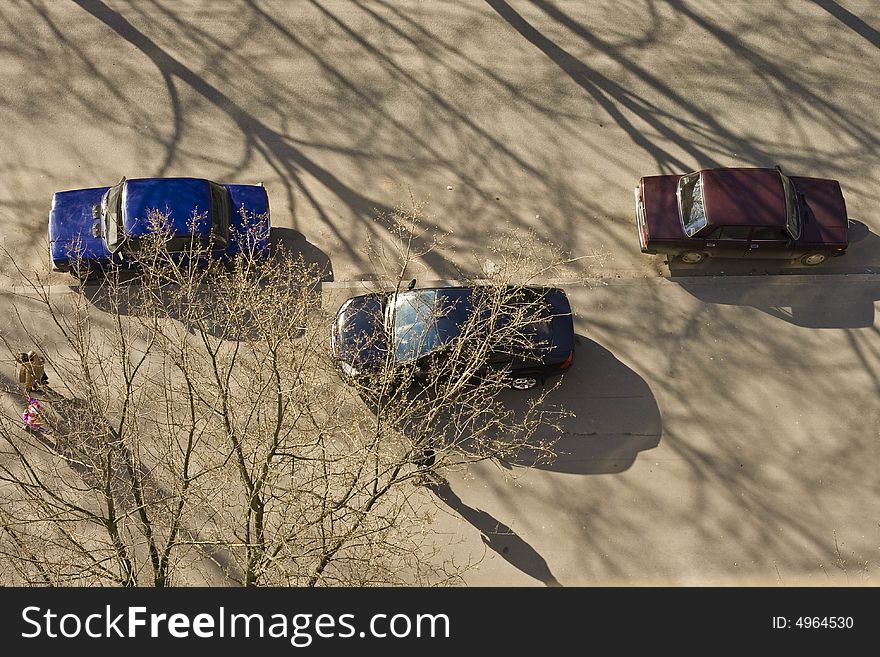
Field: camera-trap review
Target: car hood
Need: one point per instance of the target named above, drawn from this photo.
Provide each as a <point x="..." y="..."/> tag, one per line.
<point x="359" y="338"/>
<point x="661" y="207"/>
<point x="71" y="224"/>
<point x="826" y="220"/>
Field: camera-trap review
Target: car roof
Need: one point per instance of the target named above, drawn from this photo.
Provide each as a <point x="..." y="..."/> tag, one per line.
<point x="743" y="197"/>
<point x="179" y="196"/>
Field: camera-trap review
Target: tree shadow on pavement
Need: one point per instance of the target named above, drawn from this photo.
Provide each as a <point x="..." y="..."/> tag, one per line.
<point x="498" y="536"/>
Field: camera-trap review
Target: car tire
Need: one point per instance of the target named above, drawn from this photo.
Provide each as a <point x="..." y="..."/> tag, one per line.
<point x="813" y="259"/>
<point x="523" y="383"/>
<point x="692" y="257"/>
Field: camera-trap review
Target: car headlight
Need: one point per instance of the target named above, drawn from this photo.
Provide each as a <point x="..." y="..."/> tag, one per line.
<point x="347" y="369"/>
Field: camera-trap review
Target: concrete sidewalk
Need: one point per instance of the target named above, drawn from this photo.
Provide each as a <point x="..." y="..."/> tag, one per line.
<point x="727" y="432"/>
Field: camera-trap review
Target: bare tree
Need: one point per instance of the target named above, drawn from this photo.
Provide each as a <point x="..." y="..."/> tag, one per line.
<point x="200" y="431"/>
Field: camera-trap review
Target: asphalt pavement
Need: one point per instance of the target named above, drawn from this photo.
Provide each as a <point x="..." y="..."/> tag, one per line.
<point x="727" y="413"/>
<point x="726" y="433"/>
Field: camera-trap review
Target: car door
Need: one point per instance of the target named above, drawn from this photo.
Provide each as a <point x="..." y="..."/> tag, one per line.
<point x="728" y="241"/>
<point x="770" y="242"/>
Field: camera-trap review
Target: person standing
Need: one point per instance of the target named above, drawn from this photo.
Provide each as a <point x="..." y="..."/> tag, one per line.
<point x="31" y="371"/>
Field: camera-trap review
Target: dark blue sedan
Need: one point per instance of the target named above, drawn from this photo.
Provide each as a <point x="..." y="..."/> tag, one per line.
<point x="91" y="229"/>
<point x="415" y="328"/>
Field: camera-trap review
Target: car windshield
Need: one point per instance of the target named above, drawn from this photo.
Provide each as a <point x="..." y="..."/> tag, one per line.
<point x="792" y="217"/>
<point x="111" y="213"/>
<point x="690" y="203"/>
<point x="423" y="320"/>
<point x="413" y="324"/>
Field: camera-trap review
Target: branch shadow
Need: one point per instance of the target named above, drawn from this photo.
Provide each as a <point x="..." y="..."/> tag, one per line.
<point x="852" y="21"/>
<point x="498" y="536"/>
<point x="288" y="161"/>
<point x="606" y="92"/>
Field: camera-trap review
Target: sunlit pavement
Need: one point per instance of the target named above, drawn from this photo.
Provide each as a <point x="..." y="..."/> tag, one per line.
<point x="727" y="413"/>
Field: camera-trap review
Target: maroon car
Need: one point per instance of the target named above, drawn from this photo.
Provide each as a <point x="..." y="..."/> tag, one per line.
<point x="741" y="213"/>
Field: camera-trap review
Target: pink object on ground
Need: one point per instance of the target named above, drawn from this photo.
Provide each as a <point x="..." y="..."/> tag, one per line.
<point x="31" y="416"/>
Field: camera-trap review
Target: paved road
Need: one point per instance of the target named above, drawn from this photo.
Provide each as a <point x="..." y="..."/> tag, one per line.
<point x="727" y="434"/>
<point x="727" y="427"/>
<point x="540" y="116"/>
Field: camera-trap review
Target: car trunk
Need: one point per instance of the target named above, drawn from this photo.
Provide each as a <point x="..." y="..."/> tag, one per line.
<point x="825" y="222"/>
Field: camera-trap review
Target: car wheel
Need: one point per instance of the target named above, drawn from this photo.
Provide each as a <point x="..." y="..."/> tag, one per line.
<point x="692" y="257"/>
<point x="524" y="383"/>
<point x="813" y="259"/>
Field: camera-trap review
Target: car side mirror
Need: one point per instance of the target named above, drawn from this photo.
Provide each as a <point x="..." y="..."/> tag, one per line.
<point x="96" y="211"/>
<point x="411" y="285"/>
<point x="96" y="229"/>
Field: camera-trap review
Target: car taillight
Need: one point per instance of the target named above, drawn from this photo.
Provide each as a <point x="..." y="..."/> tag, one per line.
<point x="567" y="361"/>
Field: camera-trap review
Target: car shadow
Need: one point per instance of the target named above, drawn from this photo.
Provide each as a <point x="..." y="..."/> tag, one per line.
<point x="121" y="296"/>
<point x="861" y="257"/>
<point x="817" y="302"/>
<point x="814" y="302"/>
<point x="604" y="411"/>
<point x="615" y="416"/>
<point x="498" y="536"/>
<point x="295" y="243"/>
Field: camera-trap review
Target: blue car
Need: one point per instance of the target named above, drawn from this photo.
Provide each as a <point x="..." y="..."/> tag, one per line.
<point x="92" y="229"/>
